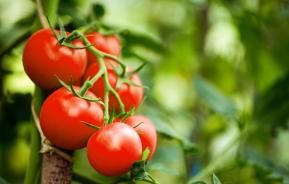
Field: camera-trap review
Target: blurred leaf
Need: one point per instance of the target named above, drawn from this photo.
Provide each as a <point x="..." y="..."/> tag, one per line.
<point x="272" y="107"/>
<point x="98" y="10"/>
<point x="167" y="131"/>
<point x="137" y="39"/>
<point x="266" y="168"/>
<point x="162" y="168"/>
<point x="214" y="98"/>
<point x="215" y="179"/>
<point x="198" y="182"/>
<point x="2" y="181"/>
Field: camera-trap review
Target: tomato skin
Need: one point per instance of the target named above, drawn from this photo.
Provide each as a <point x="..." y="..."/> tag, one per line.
<point x="98" y="87"/>
<point x="146" y="131"/>
<point x="61" y="115"/>
<point x="108" y="44"/>
<point x="44" y="58"/>
<point x="113" y="149"/>
<point x="130" y="95"/>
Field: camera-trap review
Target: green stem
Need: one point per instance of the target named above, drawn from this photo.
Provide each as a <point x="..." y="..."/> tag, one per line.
<point x="32" y="172"/>
<point x="123" y="67"/>
<point x="89" y="83"/>
<point x="50" y="8"/>
<point x="153" y="180"/>
<point x="102" y="72"/>
<point x="106" y="104"/>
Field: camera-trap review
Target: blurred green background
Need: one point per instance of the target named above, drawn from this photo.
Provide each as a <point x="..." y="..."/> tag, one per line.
<point x="218" y="83"/>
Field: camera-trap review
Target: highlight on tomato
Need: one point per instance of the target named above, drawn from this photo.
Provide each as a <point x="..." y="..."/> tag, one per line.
<point x="113" y="149"/>
<point x="44" y="59"/>
<point x="62" y="116"/>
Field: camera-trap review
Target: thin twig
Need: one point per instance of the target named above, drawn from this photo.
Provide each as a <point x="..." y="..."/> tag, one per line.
<point x="42" y="18"/>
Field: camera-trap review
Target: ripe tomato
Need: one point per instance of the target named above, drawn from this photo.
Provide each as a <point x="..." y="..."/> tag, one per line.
<point x="44" y="59"/>
<point x="108" y="44"/>
<point x="98" y="87"/>
<point x="61" y="116"/>
<point x="113" y="149"/>
<point x="146" y="131"/>
<point x="130" y="95"/>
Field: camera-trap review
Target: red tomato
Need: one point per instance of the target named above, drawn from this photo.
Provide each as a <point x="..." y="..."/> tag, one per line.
<point x="61" y="116"/>
<point x="98" y="87"/>
<point x="113" y="149"/>
<point x="146" y="131"/>
<point x="130" y="95"/>
<point x="110" y="45"/>
<point x="44" y="59"/>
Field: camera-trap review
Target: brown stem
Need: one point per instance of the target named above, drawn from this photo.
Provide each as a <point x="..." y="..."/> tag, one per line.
<point x="55" y="169"/>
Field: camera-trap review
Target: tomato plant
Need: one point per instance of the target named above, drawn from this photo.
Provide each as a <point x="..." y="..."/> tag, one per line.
<point x="98" y="87"/>
<point x="108" y="44"/>
<point x="61" y="119"/>
<point x="114" y="149"/>
<point x="146" y="131"/>
<point x="45" y="59"/>
<point x="130" y="94"/>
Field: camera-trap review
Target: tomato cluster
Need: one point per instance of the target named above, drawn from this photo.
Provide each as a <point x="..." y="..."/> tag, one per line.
<point x="113" y="146"/>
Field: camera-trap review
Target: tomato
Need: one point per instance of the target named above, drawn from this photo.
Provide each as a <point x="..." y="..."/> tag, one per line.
<point x="98" y="87"/>
<point x="44" y="59"/>
<point x="146" y="131"/>
<point x="108" y="44"/>
<point x="113" y="149"/>
<point x="61" y="115"/>
<point x="130" y="95"/>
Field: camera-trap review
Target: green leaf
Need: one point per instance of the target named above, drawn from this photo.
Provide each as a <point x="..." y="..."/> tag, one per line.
<point x="214" y="98"/>
<point x="138" y="170"/>
<point x="215" y="179"/>
<point x="265" y="167"/>
<point x="2" y="181"/>
<point x="98" y="10"/>
<point x="198" y="182"/>
<point x="162" y="168"/>
<point x="165" y="130"/>
<point x="138" y="39"/>
<point x="272" y="107"/>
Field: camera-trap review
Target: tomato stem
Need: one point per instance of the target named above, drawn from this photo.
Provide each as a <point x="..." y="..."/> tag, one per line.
<point x="101" y="73"/>
<point x="89" y="83"/>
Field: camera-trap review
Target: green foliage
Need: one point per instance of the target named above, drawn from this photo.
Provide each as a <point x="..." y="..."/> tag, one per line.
<point x="272" y="108"/>
<point x="210" y="64"/>
<point x="215" y="99"/>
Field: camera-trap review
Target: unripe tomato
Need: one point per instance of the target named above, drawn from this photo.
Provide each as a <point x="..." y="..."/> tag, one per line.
<point x="44" y="59"/>
<point x="108" y="44"/>
<point x="130" y="95"/>
<point x="61" y="119"/>
<point x="113" y="149"/>
<point x="146" y="131"/>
